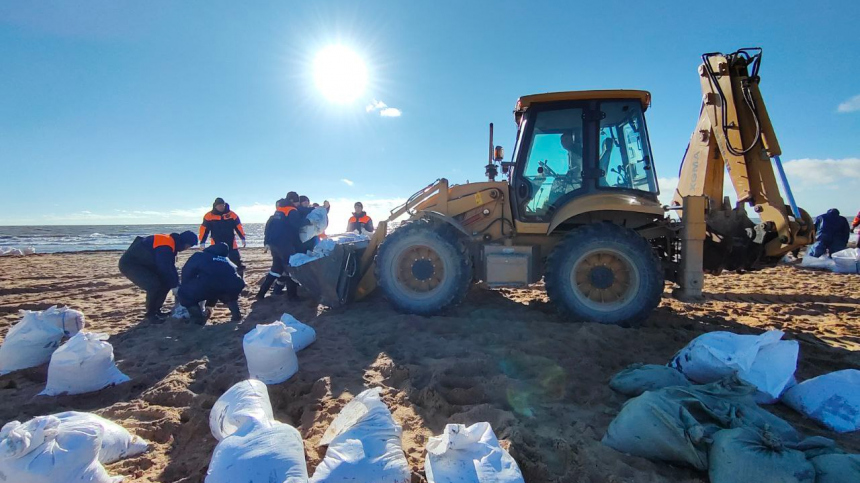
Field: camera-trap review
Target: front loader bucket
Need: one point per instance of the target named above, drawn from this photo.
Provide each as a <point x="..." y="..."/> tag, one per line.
<point x="331" y="279"/>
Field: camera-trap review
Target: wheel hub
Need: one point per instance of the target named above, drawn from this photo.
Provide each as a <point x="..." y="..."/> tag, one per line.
<point x="604" y="279"/>
<point x="420" y="269"/>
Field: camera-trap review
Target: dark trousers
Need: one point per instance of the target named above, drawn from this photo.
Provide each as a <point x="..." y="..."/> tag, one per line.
<point x="146" y="277"/>
<point x="278" y="273"/>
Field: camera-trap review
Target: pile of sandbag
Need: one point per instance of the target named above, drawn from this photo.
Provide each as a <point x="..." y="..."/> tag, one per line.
<point x="638" y="378"/>
<point x="253" y="447"/>
<point x="469" y="455"/>
<point x="764" y="360"/>
<point x="844" y="261"/>
<point x="364" y="445"/>
<point x="676" y="424"/>
<point x="16" y="252"/>
<point x="83" y="364"/>
<point x="270" y="353"/>
<point x="31" y="341"/>
<point x="831" y="399"/>
<point x="68" y="447"/>
<point x="325" y="247"/>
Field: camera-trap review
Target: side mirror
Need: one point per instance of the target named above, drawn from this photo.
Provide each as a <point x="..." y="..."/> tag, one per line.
<point x="498" y="153"/>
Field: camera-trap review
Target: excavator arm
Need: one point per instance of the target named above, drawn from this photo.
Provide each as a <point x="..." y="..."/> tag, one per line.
<point x="734" y="135"/>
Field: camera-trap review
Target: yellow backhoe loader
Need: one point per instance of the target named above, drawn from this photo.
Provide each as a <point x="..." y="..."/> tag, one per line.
<point x="579" y="209"/>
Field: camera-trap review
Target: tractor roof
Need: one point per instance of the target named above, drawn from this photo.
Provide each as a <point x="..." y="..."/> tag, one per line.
<point x="524" y="102"/>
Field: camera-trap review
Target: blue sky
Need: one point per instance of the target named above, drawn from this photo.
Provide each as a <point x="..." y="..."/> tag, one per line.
<point x="144" y="112"/>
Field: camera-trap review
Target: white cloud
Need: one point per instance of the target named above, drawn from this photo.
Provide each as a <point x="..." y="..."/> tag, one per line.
<point x="390" y="112"/>
<point x="349" y="182"/>
<point x="383" y="109"/>
<point x="810" y="174"/>
<point x="850" y="105"/>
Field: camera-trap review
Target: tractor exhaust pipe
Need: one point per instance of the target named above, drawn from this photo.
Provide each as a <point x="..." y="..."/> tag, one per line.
<point x="492" y="169"/>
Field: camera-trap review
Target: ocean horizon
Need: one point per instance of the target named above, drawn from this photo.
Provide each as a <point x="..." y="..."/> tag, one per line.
<point x="80" y="238"/>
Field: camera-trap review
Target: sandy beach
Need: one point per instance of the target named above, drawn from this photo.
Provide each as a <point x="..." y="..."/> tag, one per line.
<point x="502" y="356"/>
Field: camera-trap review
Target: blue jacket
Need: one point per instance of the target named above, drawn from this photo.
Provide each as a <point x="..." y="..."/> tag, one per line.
<point x="214" y="270"/>
<point x="283" y="228"/>
<point x="832" y="226"/>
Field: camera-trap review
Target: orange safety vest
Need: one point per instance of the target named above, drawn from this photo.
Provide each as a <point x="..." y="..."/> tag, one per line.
<point x="209" y="216"/>
<point x="286" y="209"/>
<point x="363" y="220"/>
<point x="162" y="241"/>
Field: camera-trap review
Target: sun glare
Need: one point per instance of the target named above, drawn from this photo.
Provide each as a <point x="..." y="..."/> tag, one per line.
<point x="340" y="74"/>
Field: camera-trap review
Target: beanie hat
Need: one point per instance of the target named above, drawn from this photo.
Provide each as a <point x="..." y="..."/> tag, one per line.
<point x="293" y="196"/>
<point x="188" y="238"/>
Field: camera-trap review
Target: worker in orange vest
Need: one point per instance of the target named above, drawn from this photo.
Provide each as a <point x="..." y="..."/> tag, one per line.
<point x="224" y="224"/>
<point x="281" y="237"/>
<point x="359" y="221"/>
<point x="150" y="263"/>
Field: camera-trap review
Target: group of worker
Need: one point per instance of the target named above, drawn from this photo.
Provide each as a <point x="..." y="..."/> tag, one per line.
<point x="216" y="274"/>
<point x="831" y="233"/>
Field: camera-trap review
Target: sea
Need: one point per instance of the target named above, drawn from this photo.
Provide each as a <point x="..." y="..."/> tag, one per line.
<point x="79" y="238"/>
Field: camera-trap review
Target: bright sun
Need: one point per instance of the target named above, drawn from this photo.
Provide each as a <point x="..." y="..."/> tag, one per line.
<point x="340" y="74"/>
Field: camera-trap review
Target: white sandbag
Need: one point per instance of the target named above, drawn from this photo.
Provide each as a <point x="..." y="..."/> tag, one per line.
<point x="318" y="219"/>
<point x="259" y="453"/>
<point x="363" y="445"/>
<point x="70" y="320"/>
<point x="83" y="364"/>
<point x="325" y="247"/>
<point x="29" y="343"/>
<point x="301" y="335"/>
<point x="299" y="259"/>
<point x="43" y="451"/>
<point x="181" y="312"/>
<point x="823" y="262"/>
<point x="10" y="252"/>
<point x="117" y="443"/>
<point x="270" y="354"/>
<point x="831" y="399"/>
<point x="469" y="455"/>
<point x="762" y="360"/>
<point x="28" y="251"/>
<point x="246" y="400"/>
<point x="847" y="261"/>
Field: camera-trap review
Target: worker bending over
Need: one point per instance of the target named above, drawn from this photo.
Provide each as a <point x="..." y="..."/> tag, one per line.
<point x="210" y="276"/>
<point x="150" y="263"/>
<point x="224" y="225"/>
<point x="359" y="221"/>
<point x="831" y="233"/>
<point x="281" y="237"/>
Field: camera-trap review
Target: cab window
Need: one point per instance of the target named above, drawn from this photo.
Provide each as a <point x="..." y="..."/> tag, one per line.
<point x="554" y="162"/>
<point x="624" y="157"/>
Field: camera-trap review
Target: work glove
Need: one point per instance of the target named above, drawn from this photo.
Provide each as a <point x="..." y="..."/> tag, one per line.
<point x="244" y="243"/>
<point x="266" y="249"/>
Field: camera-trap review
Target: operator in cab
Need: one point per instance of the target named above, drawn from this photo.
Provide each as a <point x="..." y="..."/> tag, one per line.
<point x="223" y="225"/>
<point x="150" y="263"/>
<point x="831" y="233"/>
<point x="212" y="277"/>
<point x="281" y="237"/>
<point x="359" y="221"/>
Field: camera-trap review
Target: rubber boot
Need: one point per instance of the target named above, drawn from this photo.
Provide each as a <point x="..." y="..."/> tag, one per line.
<point x="153" y="310"/>
<point x="196" y="314"/>
<point x="235" y="311"/>
<point x="267" y="284"/>
<point x="279" y="288"/>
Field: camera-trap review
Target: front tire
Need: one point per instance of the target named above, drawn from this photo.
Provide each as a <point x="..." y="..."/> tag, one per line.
<point x="423" y="268"/>
<point x="604" y="273"/>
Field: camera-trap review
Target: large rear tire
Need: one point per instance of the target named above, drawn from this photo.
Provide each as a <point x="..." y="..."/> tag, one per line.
<point x="604" y="273"/>
<point x="423" y="268"/>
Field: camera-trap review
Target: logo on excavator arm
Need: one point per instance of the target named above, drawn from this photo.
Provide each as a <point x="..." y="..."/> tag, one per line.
<point x="478" y="199"/>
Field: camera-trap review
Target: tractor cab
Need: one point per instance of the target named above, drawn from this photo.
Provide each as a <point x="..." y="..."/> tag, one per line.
<point x="575" y="144"/>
